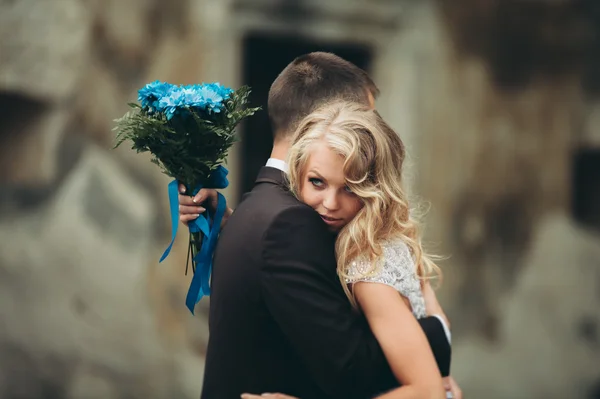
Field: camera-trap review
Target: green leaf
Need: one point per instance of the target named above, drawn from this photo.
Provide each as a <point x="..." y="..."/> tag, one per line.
<point x="185" y="148"/>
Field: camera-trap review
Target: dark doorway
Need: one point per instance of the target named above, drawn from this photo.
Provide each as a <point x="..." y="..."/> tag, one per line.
<point x="586" y="187"/>
<point x="264" y="58"/>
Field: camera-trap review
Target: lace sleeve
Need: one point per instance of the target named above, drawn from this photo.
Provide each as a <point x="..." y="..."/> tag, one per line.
<point x="396" y="269"/>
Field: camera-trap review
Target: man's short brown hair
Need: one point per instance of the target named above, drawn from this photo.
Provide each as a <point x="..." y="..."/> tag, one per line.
<point x="311" y="80"/>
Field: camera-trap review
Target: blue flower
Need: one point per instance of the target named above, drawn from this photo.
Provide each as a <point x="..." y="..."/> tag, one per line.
<point x="170" y="103"/>
<point x="195" y="97"/>
<point x="169" y="99"/>
<point x="211" y="100"/>
<point x="222" y="91"/>
<point x="150" y="95"/>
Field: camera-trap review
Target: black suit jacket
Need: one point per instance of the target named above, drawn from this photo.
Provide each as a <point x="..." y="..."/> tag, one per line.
<point x="279" y="319"/>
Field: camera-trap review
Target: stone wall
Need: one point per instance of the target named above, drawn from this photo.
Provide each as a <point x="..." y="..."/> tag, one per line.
<point x="493" y="151"/>
<point x="86" y="310"/>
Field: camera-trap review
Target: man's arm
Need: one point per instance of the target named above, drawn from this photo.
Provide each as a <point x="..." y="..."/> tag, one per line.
<point x="434" y="309"/>
<point x="304" y="295"/>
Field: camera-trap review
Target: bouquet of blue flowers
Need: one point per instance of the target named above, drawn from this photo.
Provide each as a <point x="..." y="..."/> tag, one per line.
<point x="188" y="130"/>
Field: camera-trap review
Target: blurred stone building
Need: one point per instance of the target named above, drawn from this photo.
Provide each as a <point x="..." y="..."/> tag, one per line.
<point x="497" y="101"/>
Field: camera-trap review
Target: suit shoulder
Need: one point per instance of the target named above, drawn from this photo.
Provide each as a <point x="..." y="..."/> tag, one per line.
<point x="299" y="224"/>
<point x="275" y="202"/>
<point x="294" y="214"/>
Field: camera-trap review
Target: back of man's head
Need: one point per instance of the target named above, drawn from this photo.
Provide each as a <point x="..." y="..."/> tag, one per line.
<point x="311" y="80"/>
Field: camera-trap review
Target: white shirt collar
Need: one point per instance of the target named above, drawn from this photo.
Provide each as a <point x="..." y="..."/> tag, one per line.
<point x="278" y="164"/>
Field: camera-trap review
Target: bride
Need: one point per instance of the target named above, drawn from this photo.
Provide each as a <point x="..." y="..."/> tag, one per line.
<point x="346" y="163"/>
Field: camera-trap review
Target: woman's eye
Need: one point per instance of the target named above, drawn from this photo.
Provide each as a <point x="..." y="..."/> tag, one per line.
<point x="316" y="182"/>
<point x="348" y="190"/>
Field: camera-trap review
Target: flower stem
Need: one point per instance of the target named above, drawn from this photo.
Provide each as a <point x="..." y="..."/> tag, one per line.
<point x="195" y="244"/>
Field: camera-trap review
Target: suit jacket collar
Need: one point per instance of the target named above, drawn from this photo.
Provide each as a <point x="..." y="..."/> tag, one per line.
<point x="268" y="174"/>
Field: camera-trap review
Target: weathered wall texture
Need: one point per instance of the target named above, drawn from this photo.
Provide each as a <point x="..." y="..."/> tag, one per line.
<point x="494" y="102"/>
<point x="496" y="136"/>
<point x="85" y="309"/>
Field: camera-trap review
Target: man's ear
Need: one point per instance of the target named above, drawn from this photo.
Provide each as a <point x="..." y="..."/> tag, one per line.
<point x="371" y="99"/>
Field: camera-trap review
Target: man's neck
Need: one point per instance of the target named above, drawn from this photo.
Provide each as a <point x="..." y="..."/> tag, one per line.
<point x="280" y="150"/>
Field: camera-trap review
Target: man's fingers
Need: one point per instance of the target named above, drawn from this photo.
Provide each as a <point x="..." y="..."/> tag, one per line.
<point x="267" y="396"/>
<point x="451" y="386"/>
<point x="190" y="210"/>
<point x="457" y="392"/>
<point x="201" y="196"/>
<point x="454" y="394"/>
<point x="185" y="200"/>
<point x="188" y="217"/>
<point x="206" y="194"/>
<point x="188" y="213"/>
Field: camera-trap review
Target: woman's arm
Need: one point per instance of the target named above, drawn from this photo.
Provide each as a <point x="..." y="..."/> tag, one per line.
<point x="402" y="340"/>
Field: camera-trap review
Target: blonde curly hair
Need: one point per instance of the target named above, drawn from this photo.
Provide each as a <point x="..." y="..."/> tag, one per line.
<point x="373" y="157"/>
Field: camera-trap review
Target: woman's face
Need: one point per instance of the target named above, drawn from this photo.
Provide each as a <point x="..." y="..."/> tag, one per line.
<point x="324" y="188"/>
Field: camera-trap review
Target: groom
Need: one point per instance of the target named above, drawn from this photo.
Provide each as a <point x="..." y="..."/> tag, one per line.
<point x="279" y="319"/>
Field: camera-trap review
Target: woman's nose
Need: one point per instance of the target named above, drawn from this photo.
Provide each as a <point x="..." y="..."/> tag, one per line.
<point x="331" y="202"/>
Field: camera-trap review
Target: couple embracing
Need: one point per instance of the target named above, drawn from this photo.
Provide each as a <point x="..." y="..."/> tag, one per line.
<point x="320" y="286"/>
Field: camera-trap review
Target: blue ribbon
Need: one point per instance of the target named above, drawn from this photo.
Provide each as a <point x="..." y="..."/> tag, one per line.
<point x="209" y="225"/>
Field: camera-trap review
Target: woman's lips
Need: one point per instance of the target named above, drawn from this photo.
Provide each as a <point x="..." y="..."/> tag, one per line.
<point x="330" y="220"/>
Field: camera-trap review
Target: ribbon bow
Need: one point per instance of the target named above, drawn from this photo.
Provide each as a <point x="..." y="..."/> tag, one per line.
<point x="209" y="226"/>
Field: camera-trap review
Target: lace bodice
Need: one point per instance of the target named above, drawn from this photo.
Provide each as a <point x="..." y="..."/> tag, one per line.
<point x="396" y="269"/>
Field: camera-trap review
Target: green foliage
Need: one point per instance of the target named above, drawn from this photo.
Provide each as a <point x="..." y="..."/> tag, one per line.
<point x="192" y="144"/>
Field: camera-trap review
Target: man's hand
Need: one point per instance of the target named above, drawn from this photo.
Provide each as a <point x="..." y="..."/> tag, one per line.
<point x="267" y="396"/>
<point x="452" y="387"/>
<point x="453" y="391"/>
<point x="191" y="207"/>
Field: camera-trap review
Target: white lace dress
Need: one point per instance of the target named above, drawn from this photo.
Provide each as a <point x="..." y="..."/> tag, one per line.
<point x="396" y="269"/>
